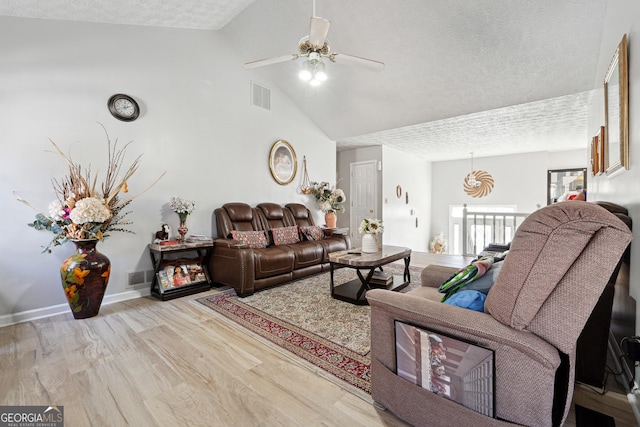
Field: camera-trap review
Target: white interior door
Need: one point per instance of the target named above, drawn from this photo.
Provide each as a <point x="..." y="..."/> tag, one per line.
<point x="364" y="197"/>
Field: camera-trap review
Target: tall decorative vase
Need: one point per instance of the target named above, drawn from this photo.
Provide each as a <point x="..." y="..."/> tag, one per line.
<point x="85" y="275"/>
<point x="182" y="229"/>
<point x="369" y="243"/>
<point x="330" y="218"/>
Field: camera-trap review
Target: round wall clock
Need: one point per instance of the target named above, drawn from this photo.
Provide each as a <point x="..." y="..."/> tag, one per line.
<point x="123" y="107"/>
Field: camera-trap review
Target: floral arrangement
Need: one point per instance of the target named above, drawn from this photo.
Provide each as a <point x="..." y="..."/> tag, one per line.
<point x="182" y="207"/>
<point x="329" y="200"/>
<point x="438" y="244"/>
<point x="83" y="209"/>
<point x="371" y="226"/>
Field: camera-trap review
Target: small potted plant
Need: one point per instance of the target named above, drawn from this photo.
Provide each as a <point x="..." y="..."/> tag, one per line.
<point x="370" y="228"/>
<point x="330" y="201"/>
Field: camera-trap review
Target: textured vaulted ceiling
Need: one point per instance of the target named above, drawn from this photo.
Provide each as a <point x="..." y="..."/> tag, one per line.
<point x="490" y="76"/>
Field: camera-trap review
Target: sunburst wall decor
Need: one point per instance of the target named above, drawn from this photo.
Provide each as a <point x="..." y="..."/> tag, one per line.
<point x="478" y="183"/>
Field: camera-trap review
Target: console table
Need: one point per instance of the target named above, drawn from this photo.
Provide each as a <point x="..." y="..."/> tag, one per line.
<point x="354" y="291"/>
<point x="181" y="269"/>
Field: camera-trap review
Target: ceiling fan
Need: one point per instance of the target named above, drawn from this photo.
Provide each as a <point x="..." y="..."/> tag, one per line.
<point x="315" y="46"/>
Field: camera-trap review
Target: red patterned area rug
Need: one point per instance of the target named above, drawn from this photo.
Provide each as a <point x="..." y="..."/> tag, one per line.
<point x="302" y="318"/>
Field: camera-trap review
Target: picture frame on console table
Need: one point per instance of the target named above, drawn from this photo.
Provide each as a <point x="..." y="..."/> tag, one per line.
<point x="283" y="162"/>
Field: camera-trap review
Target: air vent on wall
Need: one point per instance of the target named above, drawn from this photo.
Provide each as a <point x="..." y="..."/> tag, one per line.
<point x="260" y="96"/>
<point x="135" y="278"/>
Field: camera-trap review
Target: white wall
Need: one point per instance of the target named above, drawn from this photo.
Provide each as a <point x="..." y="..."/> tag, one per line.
<point x="519" y="179"/>
<point x="196" y="124"/>
<point x="622" y="17"/>
<point x="414" y="177"/>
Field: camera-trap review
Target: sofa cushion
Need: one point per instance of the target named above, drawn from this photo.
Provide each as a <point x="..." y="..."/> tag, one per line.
<point x="255" y="239"/>
<point x="273" y="261"/>
<point x="312" y="232"/>
<point x="306" y="253"/>
<point x="285" y="235"/>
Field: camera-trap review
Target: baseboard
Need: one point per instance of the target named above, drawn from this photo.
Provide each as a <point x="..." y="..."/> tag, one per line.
<point x="26" y="316"/>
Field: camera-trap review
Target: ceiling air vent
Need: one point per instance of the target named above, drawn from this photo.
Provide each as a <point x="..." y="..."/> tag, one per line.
<point x="260" y="96"/>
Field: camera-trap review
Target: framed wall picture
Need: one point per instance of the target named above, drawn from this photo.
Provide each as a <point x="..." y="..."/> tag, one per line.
<point x="565" y="184"/>
<point x="594" y="156"/>
<point x="597" y="152"/>
<point x="616" y="111"/>
<point x="283" y="162"/>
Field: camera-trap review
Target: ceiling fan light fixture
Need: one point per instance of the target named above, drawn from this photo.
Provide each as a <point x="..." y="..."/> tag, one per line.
<point x="319" y="72"/>
<point x="315" y="82"/>
<point x="306" y="71"/>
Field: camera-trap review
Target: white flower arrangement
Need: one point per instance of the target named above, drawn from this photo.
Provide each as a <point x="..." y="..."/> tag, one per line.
<point x="182" y="207"/>
<point x="372" y="226"/>
<point x="90" y="209"/>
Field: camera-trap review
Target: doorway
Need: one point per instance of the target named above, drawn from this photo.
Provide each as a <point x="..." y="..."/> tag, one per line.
<point x="364" y="197"/>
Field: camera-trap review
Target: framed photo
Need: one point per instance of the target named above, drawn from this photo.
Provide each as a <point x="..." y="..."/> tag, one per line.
<point x="283" y="162"/>
<point x="595" y="163"/>
<point x="453" y="368"/>
<point x="597" y="152"/>
<point x="601" y="153"/>
<point x="175" y="276"/>
<point x="616" y="111"/>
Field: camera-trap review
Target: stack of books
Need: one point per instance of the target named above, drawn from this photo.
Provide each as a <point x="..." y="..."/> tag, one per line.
<point x="199" y="238"/>
<point x="381" y="278"/>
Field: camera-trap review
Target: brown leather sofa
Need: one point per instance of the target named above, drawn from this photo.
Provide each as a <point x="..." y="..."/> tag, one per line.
<point x="249" y="269"/>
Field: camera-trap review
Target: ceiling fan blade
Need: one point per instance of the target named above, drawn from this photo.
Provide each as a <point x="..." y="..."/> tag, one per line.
<point x="318" y="31"/>
<point x="356" y="60"/>
<point x="264" y="62"/>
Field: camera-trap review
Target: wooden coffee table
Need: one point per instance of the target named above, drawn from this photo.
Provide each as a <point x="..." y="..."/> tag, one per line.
<point x="355" y="291"/>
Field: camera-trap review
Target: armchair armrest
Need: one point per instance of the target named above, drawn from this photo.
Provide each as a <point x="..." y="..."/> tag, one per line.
<point x="435" y="275"/>
<point x="525" y="364"/>
<point x="460" y="322"/>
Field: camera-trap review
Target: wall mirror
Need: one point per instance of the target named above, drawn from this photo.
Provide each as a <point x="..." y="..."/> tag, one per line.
<point x="565" y="184"/>
<point x="616" y="111"/>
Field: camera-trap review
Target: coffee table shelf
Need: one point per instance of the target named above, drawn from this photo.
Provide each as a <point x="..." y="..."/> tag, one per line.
<point x="355" y="291"/>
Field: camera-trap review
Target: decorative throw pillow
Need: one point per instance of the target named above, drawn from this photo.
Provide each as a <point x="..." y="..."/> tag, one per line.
<point x="285" y="235"/>
<point x="255" y="239"/>
<point x="473" y="300"/>
<point x="312" y="232"/>
<point x="484" y="283"/>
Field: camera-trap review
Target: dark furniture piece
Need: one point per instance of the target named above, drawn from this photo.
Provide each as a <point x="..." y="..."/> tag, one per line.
<point x="182" y="254"/>
<point x="560" y="260"/>
<point x="592" y="345"/>
<point x="355" y="290"/>
<point x="249" y="269"/>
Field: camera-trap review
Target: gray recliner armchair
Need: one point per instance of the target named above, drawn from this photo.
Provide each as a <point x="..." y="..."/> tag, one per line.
<point x="561" y="258"/>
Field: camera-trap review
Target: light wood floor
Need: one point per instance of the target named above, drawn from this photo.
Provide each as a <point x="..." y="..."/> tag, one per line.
<point x="146" y="362"/>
